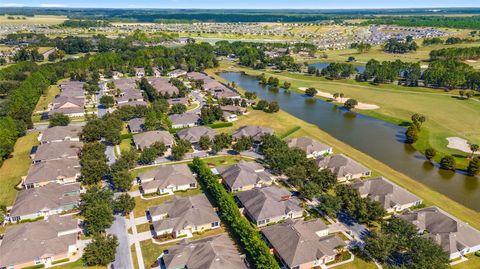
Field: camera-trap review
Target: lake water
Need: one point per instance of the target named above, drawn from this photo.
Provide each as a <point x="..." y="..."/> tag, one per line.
<point x="377" y="138"/>
<point x="320" y="66"/>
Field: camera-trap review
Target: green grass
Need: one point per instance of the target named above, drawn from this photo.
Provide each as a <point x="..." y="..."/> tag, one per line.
<point x="446" y="115"/>
<point x="14" y="168"/>
<point x="37" y="19"/>
<point x="357" y="264"/>
<point x="47" y="98"/>
<point x="473" y="262"/>
<point x="134" y="256"/>
<point x="143" y="227"/>
<point x="78" y="265"/>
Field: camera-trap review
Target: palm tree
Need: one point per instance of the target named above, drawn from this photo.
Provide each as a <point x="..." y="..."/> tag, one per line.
<point x="474" y="148"/>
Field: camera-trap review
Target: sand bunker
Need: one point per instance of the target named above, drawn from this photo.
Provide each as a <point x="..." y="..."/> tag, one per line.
<point x="362" y="106"/>
<point x="459" y="143"/>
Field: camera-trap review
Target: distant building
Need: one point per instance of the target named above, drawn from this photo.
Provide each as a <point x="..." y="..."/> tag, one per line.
<point x="140" y="72"/>
<point x="194" y="134"/>
<point x="253" y="131"/>
<point x="177" y="73"/>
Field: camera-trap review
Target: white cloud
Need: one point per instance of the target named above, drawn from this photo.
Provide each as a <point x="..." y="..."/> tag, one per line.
<point x="52" y="5"/>
<point x="12" y="5"/>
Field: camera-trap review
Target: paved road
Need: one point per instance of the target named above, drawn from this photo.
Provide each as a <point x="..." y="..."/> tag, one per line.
<point x="123" y="257"/>
<point x="199" y="97"/>
<point x="101" y="109"/>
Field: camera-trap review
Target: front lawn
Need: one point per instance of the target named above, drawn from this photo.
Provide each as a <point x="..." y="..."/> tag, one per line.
<point x="14" y="168"/>
<point x="141" y="205"/>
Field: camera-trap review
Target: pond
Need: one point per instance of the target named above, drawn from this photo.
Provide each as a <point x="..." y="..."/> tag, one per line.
<point x="379" y="139"/>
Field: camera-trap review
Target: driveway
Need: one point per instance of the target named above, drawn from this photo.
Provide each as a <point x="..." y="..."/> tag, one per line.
<point x="123" y="257"/>
<point x="198" y="96"/>
<point x="110" y="152"/>
<point x="358" y="231"/>
<point x="101" y="109"/>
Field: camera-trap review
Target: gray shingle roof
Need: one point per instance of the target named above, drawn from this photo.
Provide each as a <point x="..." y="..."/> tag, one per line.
<point x="244" y="173"/>
<point x="184" y="211"/>
<point x="61" y="133"/>
<point x="256" y="132"/>
<point x="216" y="252"/>
<point x="49" y="197"/>
<point x="168" y="175"/>
<point x="163" y="86"/>
<point x="52" y="170"/>
<point x="341" y="165"/>
<point x="450" y="233"/>
<point x="307" y="144"/>
<point x="386" y="193"/>
<point x="184" y="119"/>
<point x="29" y="241"/>
<point x="145" y="140"/>
<point x="52" y="151"/>
<point x="296" y="241"/>
<point x="193" y="134"/>
<point x="136" y="125"/>
<point x="269" y="202"/>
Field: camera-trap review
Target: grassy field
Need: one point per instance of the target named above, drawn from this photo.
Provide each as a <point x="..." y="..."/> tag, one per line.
<point x="357" y="264"/>
<point x="473" y="262"/>
<point x="447" y="115"/>
<point x="421" y="55"/>
<point x="47" y="98"/>
<point x="14" y="168"/>
<point x="40" y="19"/>
<point x="283" y="121"/>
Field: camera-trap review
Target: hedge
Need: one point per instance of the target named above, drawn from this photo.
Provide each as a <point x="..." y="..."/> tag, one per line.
<point x="35" y="266"/>
<point x="250" y="240"/>
<point x="220" y="125"/>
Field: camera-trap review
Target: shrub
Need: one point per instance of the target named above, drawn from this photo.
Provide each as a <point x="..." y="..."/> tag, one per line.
<point x="220" y="125"/>
<point x="255" y="248"/>
<point x="60" y="261"/>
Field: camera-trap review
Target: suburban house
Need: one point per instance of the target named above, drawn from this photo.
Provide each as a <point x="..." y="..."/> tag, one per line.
<point x="125" y="84"/>
<point x="60" y="134"/>
<point x="177" y="73"/>
<point x="128" y="95"/>
<point x="69" y="106"/>
<point x="117" y="74"/>
<point x="184" y="120"/>
<point x="312" y="148"/>
<point x="61" y="171"/>
<point x="217" y="89"/>
<point x="269" y="205"/>
<point x="146" y="139"/>
<point x="156" y="72"/>
<point x="180" y="100"/>
<point x="238" y="110"/>
<point x="136" y="125"/>
<point x="56" y="151"/>
<point x="70" y="101"/>
<point x="456" y="237"/>
<point x="164" y="87"/>
<point x="140" y="72"/>
<point x="343" y="167"/>
<point x="167" y="179"/>
<point x="44" y="201"/>
<point x="244" y="176"/>
<point x="390" y="196"/>
<point x="183" y="216"/>
<point x="208" y="253"/>
<point x="194" y="134"/>
<point x="303" y="244"/>
<point x="40" y="242"/>
<point x="253" y="131"/>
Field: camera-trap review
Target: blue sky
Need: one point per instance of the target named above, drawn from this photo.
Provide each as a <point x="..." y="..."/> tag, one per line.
<point x="244" y="4"/>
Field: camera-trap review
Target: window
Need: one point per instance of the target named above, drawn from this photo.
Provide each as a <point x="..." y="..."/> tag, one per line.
<point x="193" y="185"/>
<point x="215" y="224"/>
<point x="261" y="222"/>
